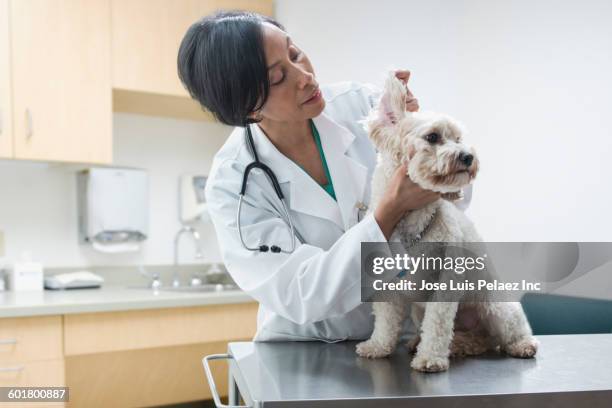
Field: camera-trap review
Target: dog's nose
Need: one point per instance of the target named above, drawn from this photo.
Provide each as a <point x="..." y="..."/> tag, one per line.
<point x="466" y="159"/>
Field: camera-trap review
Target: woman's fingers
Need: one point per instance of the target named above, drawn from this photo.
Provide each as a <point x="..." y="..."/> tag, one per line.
<point x="425" y="197"/>
<point x="412" y="194"/>
<point x="412" y="103"/>
<point x="401" y="195"/>
<point x="402" y="172"/>
<point x="403" y="75"/>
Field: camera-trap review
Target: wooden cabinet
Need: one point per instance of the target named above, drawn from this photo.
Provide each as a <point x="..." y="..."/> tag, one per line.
<point x="42" y="373"/>
<point x="147" y="35"/>
<point x="123" y="358"/>
<point x="150" y="357"/>
<point x="31" y="354"/>
<point x="145" y="377"/>
<point x="87" y="333"/>
<point x="66" y="65"/>
<point x="6" y="131"/>
<point x="49" y="373"/>
<point x="61" y="80"/>
<point x="30" y="339"/>
<point x="146" y="38"/>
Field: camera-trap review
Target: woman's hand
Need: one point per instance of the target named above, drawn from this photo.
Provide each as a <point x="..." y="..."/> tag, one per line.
<point x="402" y="195"/>
<point x="412" y="103"/>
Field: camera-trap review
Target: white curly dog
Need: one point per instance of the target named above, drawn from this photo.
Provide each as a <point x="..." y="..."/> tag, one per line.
<point x="431" y="145"/>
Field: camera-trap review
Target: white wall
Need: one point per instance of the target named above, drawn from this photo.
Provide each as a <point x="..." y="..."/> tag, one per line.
<point x="531" y="80"/>
<point x="38" y="201"/>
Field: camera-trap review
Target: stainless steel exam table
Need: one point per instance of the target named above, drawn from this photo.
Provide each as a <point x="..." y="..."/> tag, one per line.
<point x="569" y="371"/>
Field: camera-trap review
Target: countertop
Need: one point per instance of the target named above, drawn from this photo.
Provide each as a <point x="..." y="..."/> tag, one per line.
<point x="568" y="371"/>
<point x="106" y="299"/>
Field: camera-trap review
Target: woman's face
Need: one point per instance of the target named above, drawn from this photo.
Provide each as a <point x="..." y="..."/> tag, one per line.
<point x="294" y="92"/>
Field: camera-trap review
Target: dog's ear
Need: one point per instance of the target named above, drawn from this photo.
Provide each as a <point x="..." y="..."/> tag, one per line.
<point x="392" y="106"/>
<point x="390" y="110"/>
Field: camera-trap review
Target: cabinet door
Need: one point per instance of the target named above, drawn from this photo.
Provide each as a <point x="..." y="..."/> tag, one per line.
<point x="62" y="109"/>
<point x="20" y="339"/>
<point x="147" y="35"/>
<point x="6" y="131"/>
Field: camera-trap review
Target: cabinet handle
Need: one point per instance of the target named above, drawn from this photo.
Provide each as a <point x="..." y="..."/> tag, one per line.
<point x="1" y="121"/>
<point x="29" y="126"/>
<point x="8" y="341"/>
<point x="11" y="369"/>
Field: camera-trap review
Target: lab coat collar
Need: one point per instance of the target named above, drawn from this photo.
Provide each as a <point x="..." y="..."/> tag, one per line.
<point x="348" y="175"/>
<point x="305" y="195"/>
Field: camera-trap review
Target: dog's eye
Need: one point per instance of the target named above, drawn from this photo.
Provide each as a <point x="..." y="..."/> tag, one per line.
<point x="432" y="138"/>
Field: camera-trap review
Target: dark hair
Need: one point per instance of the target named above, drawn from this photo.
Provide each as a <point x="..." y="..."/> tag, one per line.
<point x="222" y="63"/>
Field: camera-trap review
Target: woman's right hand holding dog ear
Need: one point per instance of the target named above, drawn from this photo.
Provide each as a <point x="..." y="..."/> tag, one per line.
<point x="402" y="196"/>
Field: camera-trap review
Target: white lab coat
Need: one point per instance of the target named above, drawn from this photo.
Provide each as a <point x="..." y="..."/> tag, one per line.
<point x="314" y="292"/>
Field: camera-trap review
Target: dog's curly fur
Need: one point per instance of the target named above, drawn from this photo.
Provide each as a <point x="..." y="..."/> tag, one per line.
<point x="446" y="166"/>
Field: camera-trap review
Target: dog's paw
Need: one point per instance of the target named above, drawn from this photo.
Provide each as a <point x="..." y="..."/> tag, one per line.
<point x="467" y="344"/>
<point x="429" y="364"/>
<point x="372" y="349"/>
<point x="526" y="347"/>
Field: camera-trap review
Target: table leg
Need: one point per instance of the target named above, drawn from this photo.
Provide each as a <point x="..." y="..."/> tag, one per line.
<point x="233" y="393"/>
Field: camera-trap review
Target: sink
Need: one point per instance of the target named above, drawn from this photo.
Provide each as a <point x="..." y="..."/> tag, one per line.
<point x="205" y="287"/>
<point x="215" y="279"/>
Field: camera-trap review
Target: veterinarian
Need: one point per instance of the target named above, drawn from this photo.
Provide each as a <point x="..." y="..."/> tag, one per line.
<point x="304" y="272"/>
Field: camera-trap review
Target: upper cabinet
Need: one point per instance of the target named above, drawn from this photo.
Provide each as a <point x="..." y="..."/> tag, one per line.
<point x="147" y="35"/>
<point x="66" y="65"/>
<point x="61" y="80"/>
<point x="146" y="38"/>
<point x="6" y="131"/>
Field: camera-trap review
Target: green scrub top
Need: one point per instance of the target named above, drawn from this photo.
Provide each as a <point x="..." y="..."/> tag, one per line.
<point x="329" y="187"/>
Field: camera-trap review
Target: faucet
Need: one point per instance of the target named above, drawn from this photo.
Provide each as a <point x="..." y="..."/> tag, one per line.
<point x="155" y="283"/>
<point x="196" y="237"/>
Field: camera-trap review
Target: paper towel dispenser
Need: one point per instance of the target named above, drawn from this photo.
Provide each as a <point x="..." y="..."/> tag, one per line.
<point x="113" y="206"/>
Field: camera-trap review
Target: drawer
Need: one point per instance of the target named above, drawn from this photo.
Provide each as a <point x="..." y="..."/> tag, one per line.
<point x="48" y="373"/>
<point x="24" y="339"/>
<point x="144" y="378"/>
<point x="114" y="331"/>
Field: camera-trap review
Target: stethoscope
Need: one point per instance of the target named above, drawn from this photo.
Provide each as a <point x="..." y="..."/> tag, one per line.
<point x="256" y="164"/>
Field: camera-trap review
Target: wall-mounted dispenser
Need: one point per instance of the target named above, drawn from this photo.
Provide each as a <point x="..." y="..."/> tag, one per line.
<point x="113" y="208"/>
<point x="191" y="198"/>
